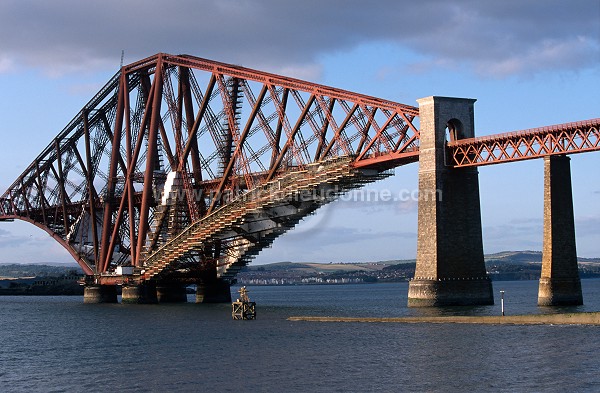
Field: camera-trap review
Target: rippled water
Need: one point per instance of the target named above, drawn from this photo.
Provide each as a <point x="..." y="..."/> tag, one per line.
<point x="59" y="344"/>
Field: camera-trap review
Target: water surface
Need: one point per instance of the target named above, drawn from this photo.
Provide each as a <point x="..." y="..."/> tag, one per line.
<point x="58" y="344"/>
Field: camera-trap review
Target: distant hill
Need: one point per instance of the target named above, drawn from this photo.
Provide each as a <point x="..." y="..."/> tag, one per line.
<point x="514" y="257"/>
<point x="504" y="257"/>
<point x="527" y="265"/>
<point x="15" y="270"/>
<point x="527" y="257"/>
<point x="506" y="265"/>
<point x="40" y="280"/>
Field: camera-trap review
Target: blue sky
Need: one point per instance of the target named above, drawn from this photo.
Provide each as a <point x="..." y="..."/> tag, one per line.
<point x="528" y="64"/>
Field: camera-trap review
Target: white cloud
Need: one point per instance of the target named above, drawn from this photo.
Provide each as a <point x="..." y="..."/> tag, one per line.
<point x="305" y="72"/>
<point x="551" y="54"/>
<point x="24" y="243"/>
<point x="6" y="64"/>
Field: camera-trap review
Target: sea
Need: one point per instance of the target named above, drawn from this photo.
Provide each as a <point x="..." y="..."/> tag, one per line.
<point x="59" y="344"/>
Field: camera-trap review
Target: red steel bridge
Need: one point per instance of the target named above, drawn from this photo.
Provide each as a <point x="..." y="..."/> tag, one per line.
<point x="182" y="169"/>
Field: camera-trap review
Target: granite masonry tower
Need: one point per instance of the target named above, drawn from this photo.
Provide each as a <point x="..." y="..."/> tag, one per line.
<point x="450" y="265"/>
<point x="559" y="281"/>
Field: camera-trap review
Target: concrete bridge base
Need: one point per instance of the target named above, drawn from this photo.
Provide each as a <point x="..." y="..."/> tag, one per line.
<point x="140" y="294"/>
<point x="171" y="293"/>
<point x="100" y="294"/>
<point x="213" y="291"/>
<point x="559" y="282"/>
<point x="450" y="267"/>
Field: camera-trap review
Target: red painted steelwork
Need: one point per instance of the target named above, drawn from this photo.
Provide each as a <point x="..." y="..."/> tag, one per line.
<point x="568" y="138"/>
<point x="170" y="166"/>
<point x="202" y="130"/>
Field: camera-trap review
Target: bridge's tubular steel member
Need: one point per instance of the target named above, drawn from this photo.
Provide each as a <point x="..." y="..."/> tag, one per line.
<point x="181" y="166"/>
<point x="184" y="168"/>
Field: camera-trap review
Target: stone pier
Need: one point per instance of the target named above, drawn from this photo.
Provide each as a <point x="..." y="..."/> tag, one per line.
<point x="100" y="294"/>
<point x="144" y="293"/>
<point x="559" y="282"/>
<point x="171" y="293"/>
<point x="213" y="291"/>
<point x="450" y="265"/>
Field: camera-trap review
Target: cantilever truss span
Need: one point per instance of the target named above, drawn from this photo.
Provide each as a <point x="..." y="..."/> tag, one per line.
<point x="181" y="165"/>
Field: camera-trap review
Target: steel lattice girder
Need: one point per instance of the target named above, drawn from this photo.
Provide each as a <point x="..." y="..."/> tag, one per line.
<point x="568" y="138"/>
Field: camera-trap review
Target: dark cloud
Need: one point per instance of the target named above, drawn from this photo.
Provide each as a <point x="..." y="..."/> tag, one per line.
<point x="518" y="234"/>
<point x="8" y="240"/>
<point x="587" y="227"/>
<point x="495" y="38"/>
<point x="346" y="235"/>
<point x="528" y="234"/>
<point x="507" y="233"/>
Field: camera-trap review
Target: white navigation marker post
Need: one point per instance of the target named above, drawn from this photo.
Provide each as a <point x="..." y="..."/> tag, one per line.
<point x="502" y="301"/>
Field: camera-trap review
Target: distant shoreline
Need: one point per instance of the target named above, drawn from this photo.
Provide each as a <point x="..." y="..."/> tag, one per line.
<point x="40" y="280"/>
<point x="42" y="291"/>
